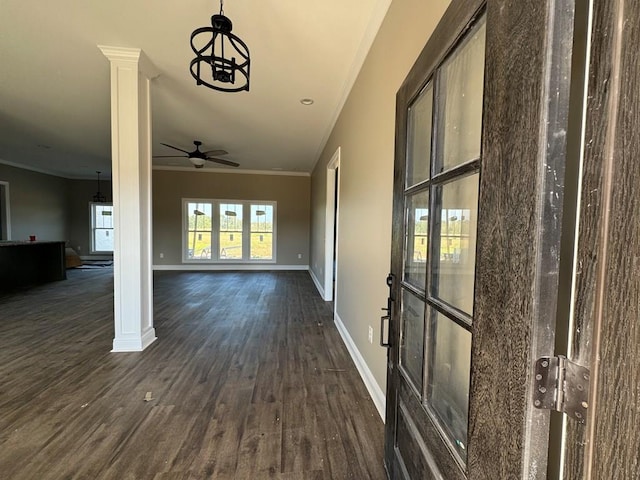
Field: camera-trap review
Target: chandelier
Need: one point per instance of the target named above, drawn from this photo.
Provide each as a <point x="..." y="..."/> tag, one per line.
<point x="99" y="197"/>
<point x="222" y="59"/>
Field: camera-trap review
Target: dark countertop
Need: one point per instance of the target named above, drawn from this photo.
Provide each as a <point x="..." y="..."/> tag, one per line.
<point x="10" y="243"/>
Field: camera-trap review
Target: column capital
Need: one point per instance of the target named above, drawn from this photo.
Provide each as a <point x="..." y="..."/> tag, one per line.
<point x="131" y="55"/>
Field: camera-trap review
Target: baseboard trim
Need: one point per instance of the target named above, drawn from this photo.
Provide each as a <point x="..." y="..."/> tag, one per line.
<point x="218" y="267"/>
<point x="377" y="395"/>
<point x="97" y="258"/>
<point x="317" y="284"/>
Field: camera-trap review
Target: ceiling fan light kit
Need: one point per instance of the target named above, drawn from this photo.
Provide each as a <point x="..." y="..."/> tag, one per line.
<point x="223" y="62"/>
<point x="197" y="162"/>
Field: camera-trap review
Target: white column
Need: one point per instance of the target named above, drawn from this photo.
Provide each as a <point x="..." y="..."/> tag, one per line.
<point x="131" y="73"/>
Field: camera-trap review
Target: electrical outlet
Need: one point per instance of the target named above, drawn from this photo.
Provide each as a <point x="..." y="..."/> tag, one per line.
<point x="299" y="255"/>
<point x="162" y="255"/>
<point x="370" y="334"/>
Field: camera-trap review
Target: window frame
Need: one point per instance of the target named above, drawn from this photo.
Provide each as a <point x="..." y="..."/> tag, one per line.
<point x="215" y="231"/>
<point x="92" y="215"/>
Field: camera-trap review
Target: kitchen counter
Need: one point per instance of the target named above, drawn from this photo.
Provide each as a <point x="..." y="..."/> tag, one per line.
<point x="24" y="263"/>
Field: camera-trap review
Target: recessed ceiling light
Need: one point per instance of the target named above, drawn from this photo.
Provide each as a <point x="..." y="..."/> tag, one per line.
<point x="306" y="101"/>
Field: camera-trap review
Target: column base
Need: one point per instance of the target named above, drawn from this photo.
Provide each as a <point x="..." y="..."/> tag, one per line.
<point x="131" y="343"/>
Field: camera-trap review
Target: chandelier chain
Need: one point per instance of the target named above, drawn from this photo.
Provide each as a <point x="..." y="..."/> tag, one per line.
<point x="221" y="7"/>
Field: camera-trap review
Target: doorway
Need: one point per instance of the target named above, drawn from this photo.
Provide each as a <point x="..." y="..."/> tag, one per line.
<point x="5" y="212"/>
<point x="331" y="228"/>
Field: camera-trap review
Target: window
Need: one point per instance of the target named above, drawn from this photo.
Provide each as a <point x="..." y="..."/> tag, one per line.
<point x="261" y="232"/>
<point x="228" y="231"/>
<point x="101" y="227"/>
<point x="199" y="231"/>
<point x="231" y="237"/>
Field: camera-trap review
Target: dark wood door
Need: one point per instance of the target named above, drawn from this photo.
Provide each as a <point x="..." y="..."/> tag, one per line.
<point x="481" y="129"/>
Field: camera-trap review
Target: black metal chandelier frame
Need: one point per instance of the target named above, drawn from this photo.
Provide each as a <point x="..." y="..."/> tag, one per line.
<point x="99" y="197"/>
<point x="225" y="55"/>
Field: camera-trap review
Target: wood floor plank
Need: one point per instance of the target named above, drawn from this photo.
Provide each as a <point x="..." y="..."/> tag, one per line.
<point x="249" y="379"/>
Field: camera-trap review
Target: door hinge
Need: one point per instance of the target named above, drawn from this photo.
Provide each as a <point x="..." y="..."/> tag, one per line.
<point x="562" y="385"/>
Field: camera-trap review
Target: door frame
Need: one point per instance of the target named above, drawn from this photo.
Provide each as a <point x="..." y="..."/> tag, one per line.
<point x="5" y="214"/>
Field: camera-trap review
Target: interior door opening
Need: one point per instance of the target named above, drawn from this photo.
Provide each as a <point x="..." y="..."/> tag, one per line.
<point x="331" y="228"/>
<point x="335" y="236"/>
<point x="5" y="214"/>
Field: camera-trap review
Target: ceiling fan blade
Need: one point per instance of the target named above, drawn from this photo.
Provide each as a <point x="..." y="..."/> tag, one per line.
<point x="171" y="156"/>
<point x="223" y="161"/>
<point x="175" y="148"/>
<point x="216" y="152"/>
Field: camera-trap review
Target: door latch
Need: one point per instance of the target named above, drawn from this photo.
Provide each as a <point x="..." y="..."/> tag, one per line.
<point x="563" y="386"/>
<point x="387" y="317"/>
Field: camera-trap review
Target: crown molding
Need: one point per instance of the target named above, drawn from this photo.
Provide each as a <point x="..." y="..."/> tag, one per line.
<point x="233" y="172"/>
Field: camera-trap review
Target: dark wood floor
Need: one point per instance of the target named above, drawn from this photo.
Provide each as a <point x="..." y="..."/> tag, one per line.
<point x="249" y="380"/>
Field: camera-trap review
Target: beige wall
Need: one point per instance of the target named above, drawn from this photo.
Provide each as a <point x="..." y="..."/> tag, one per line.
<point x="38" y="204"/>
<point x="365" y="133"/>
<point x="50" y="207"/>
<point x="291" y="192"/>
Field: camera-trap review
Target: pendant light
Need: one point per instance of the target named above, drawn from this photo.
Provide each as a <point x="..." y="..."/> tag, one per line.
<point x="99" y="197"/>
<point x="222" y="59"/>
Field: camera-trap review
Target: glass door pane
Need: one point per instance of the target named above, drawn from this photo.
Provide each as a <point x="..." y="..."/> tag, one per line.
<point x="460" y="92"/>
<point x="416" y="241"/>
<point x="419" y="137"/>
<point x="448" y="384"/>
<point x="412" y="339"/>
<point x="454" y="256"/>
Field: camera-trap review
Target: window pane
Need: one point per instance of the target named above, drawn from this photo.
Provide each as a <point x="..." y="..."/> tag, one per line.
<point x="455" y="259"/>
<point x="261" y="246"/>
<point x="199" y="230"/>
<point x="412" y="343"/>
<point x="460" y="94"/>
<point x="449" y="373"/>
<point x="199" y="245"/>
<point x="103" y="216"/>
<point x="262" y="218"/>
<point x="103" y="241"/>
<point x="230" y="231"/>
<point x="419" y="137"/>
<point x="415" y="262"/>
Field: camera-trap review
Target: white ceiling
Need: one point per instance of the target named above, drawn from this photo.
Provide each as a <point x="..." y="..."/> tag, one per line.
<point x="54" y="81"/>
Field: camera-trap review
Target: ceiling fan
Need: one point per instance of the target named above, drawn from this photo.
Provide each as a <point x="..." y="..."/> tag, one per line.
<point x="197" y="157"/>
